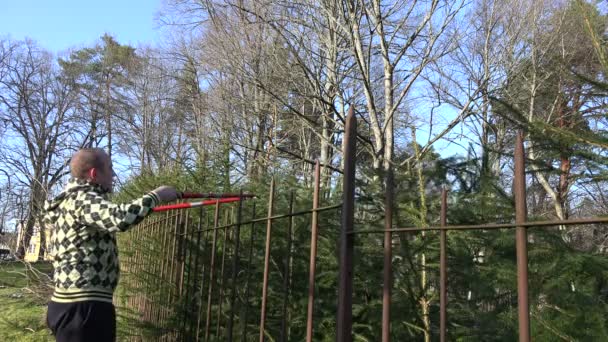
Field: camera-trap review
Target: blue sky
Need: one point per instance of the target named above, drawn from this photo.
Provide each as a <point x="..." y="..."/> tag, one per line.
<point x="61" y="24"/>
<point x="58" y="25"/>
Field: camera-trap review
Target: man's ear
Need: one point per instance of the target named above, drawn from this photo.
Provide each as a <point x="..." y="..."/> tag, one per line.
<point x="93" y="173"/>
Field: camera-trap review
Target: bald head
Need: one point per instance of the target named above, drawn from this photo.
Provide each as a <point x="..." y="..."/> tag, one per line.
<point x="86" y="159"/>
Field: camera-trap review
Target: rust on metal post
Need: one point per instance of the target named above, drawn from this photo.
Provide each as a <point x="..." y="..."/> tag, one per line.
<point x="171" y="273"/>
<point x="248" y="281"/>
<point x="521" y="241"/>
<point x="176" y="266"/>
<point x="266" y="262"/>
<point x="142" y="275"/>
<point x="153" y="271"/>
<point x="222" y="276"/>
<point x="287" y="273"/>
<point x="188" y="252"/>
<point x="202" y="289"/>
<point x="136" y="268"/>
<point x="183" y="239"/>
<point x="443" y="278"/>
<point x="163" y="264"/>
<point x="388" y="256"/>
<point x="147" y="279"/>
<point x="194" y="272"/>
<point x="174" y="253"/>
<point x="157" y="243"/>
<point x="216" y="218"/>
<point x="345" y="281"/>
<point x="235" y="265"/>
<point x="313" y="252"/>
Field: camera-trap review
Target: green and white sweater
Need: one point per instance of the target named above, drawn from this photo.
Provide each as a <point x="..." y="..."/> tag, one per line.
<point x="83" y="242"/>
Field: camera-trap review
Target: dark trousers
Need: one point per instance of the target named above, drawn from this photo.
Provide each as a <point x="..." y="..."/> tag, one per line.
<point x="88" y="321"/>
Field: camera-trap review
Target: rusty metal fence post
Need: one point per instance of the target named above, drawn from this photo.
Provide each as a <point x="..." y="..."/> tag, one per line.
<point x="203" y="272"/>
<point x="266" y="262"/>
<point x="523" y="309"/>
<point x="212" y="269"/>
<point x="235" y="265"/>
<point x="222" y="277"/>
<point x="443" y="278"/>
<point x="248" y="280"/>
<point x="185" y="278"/>
<point x="287" y="273"/>
<point x="194" y="271"/>
<point x="345" y="280"/>
<point x="313" y="252"/>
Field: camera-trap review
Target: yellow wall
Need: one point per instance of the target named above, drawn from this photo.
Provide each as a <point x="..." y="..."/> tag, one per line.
<point x="32" y="251"/>
<point x="31" y="254"/>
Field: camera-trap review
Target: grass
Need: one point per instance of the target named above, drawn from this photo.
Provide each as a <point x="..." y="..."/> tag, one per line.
<point x="23" y="305"/>
<point x="22" y="311"/>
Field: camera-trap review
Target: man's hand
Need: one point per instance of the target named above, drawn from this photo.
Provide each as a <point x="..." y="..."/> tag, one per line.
<point x="166" y="193"/>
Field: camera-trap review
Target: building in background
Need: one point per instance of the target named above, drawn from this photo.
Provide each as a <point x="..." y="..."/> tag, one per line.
<point x="33" y="249"/>
<point x="5" y="251"/>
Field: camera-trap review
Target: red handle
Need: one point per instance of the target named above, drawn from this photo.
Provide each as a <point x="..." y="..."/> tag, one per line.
<point x="214" y="195"/>
<point x="196" y="204"/>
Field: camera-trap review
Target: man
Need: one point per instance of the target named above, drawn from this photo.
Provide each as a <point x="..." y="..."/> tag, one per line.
<point x="84" y="248"/>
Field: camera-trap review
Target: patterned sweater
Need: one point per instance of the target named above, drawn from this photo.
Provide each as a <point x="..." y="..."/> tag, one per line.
<point x="83" y="242"/>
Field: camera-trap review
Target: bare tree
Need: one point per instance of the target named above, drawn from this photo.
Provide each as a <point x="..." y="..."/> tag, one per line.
<point x="35" y="106"/>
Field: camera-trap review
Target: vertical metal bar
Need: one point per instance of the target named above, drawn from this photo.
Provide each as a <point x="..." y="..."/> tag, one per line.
<point x="133" y="267"/>
<point x="188" y="250"/>
<point x="169" y="270"/>
<point x="139" y="273"/>
<point x="345" y="281"/>
<point x="151" y="283"/>
<point x="313" y="252"/>
<point x="137" y="270"/>
<point x="211" y="269"/>
<point x="128" y="266"/>
<point x="521" y="237"/>
<point x="173" y="291"/>
<point x="222" y="276"/>
<point x="443" y="279"/>
<point x="201" y="291"/>
<point x="388" y="255"/>
<point x="266" y="262"/>
<point x="248" y="281"/>
<point x="194" y="271"/>
<point x="181" y="257"/>
<point x="235" y="264"/>
<point x="150" y="251"/>
<point x="172" y="272"/>
<point x="163" y="266"/>
<point x="153" y="272"/>
<point x="136" y="276"/>
<point x="183" y="248"/>
<point x="287" y="273"/>
<point x="146" y="289"/>
<point x="159" y="271"/>
<point x="143" y="274"/>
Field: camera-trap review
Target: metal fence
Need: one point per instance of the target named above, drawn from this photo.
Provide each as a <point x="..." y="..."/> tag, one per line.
<point x="197" y="267"/>
<point x="520" y="225"/>
<point x="202" y="262"/>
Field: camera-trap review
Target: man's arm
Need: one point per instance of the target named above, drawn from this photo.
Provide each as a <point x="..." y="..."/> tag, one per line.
<point x="94" y="211"/>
